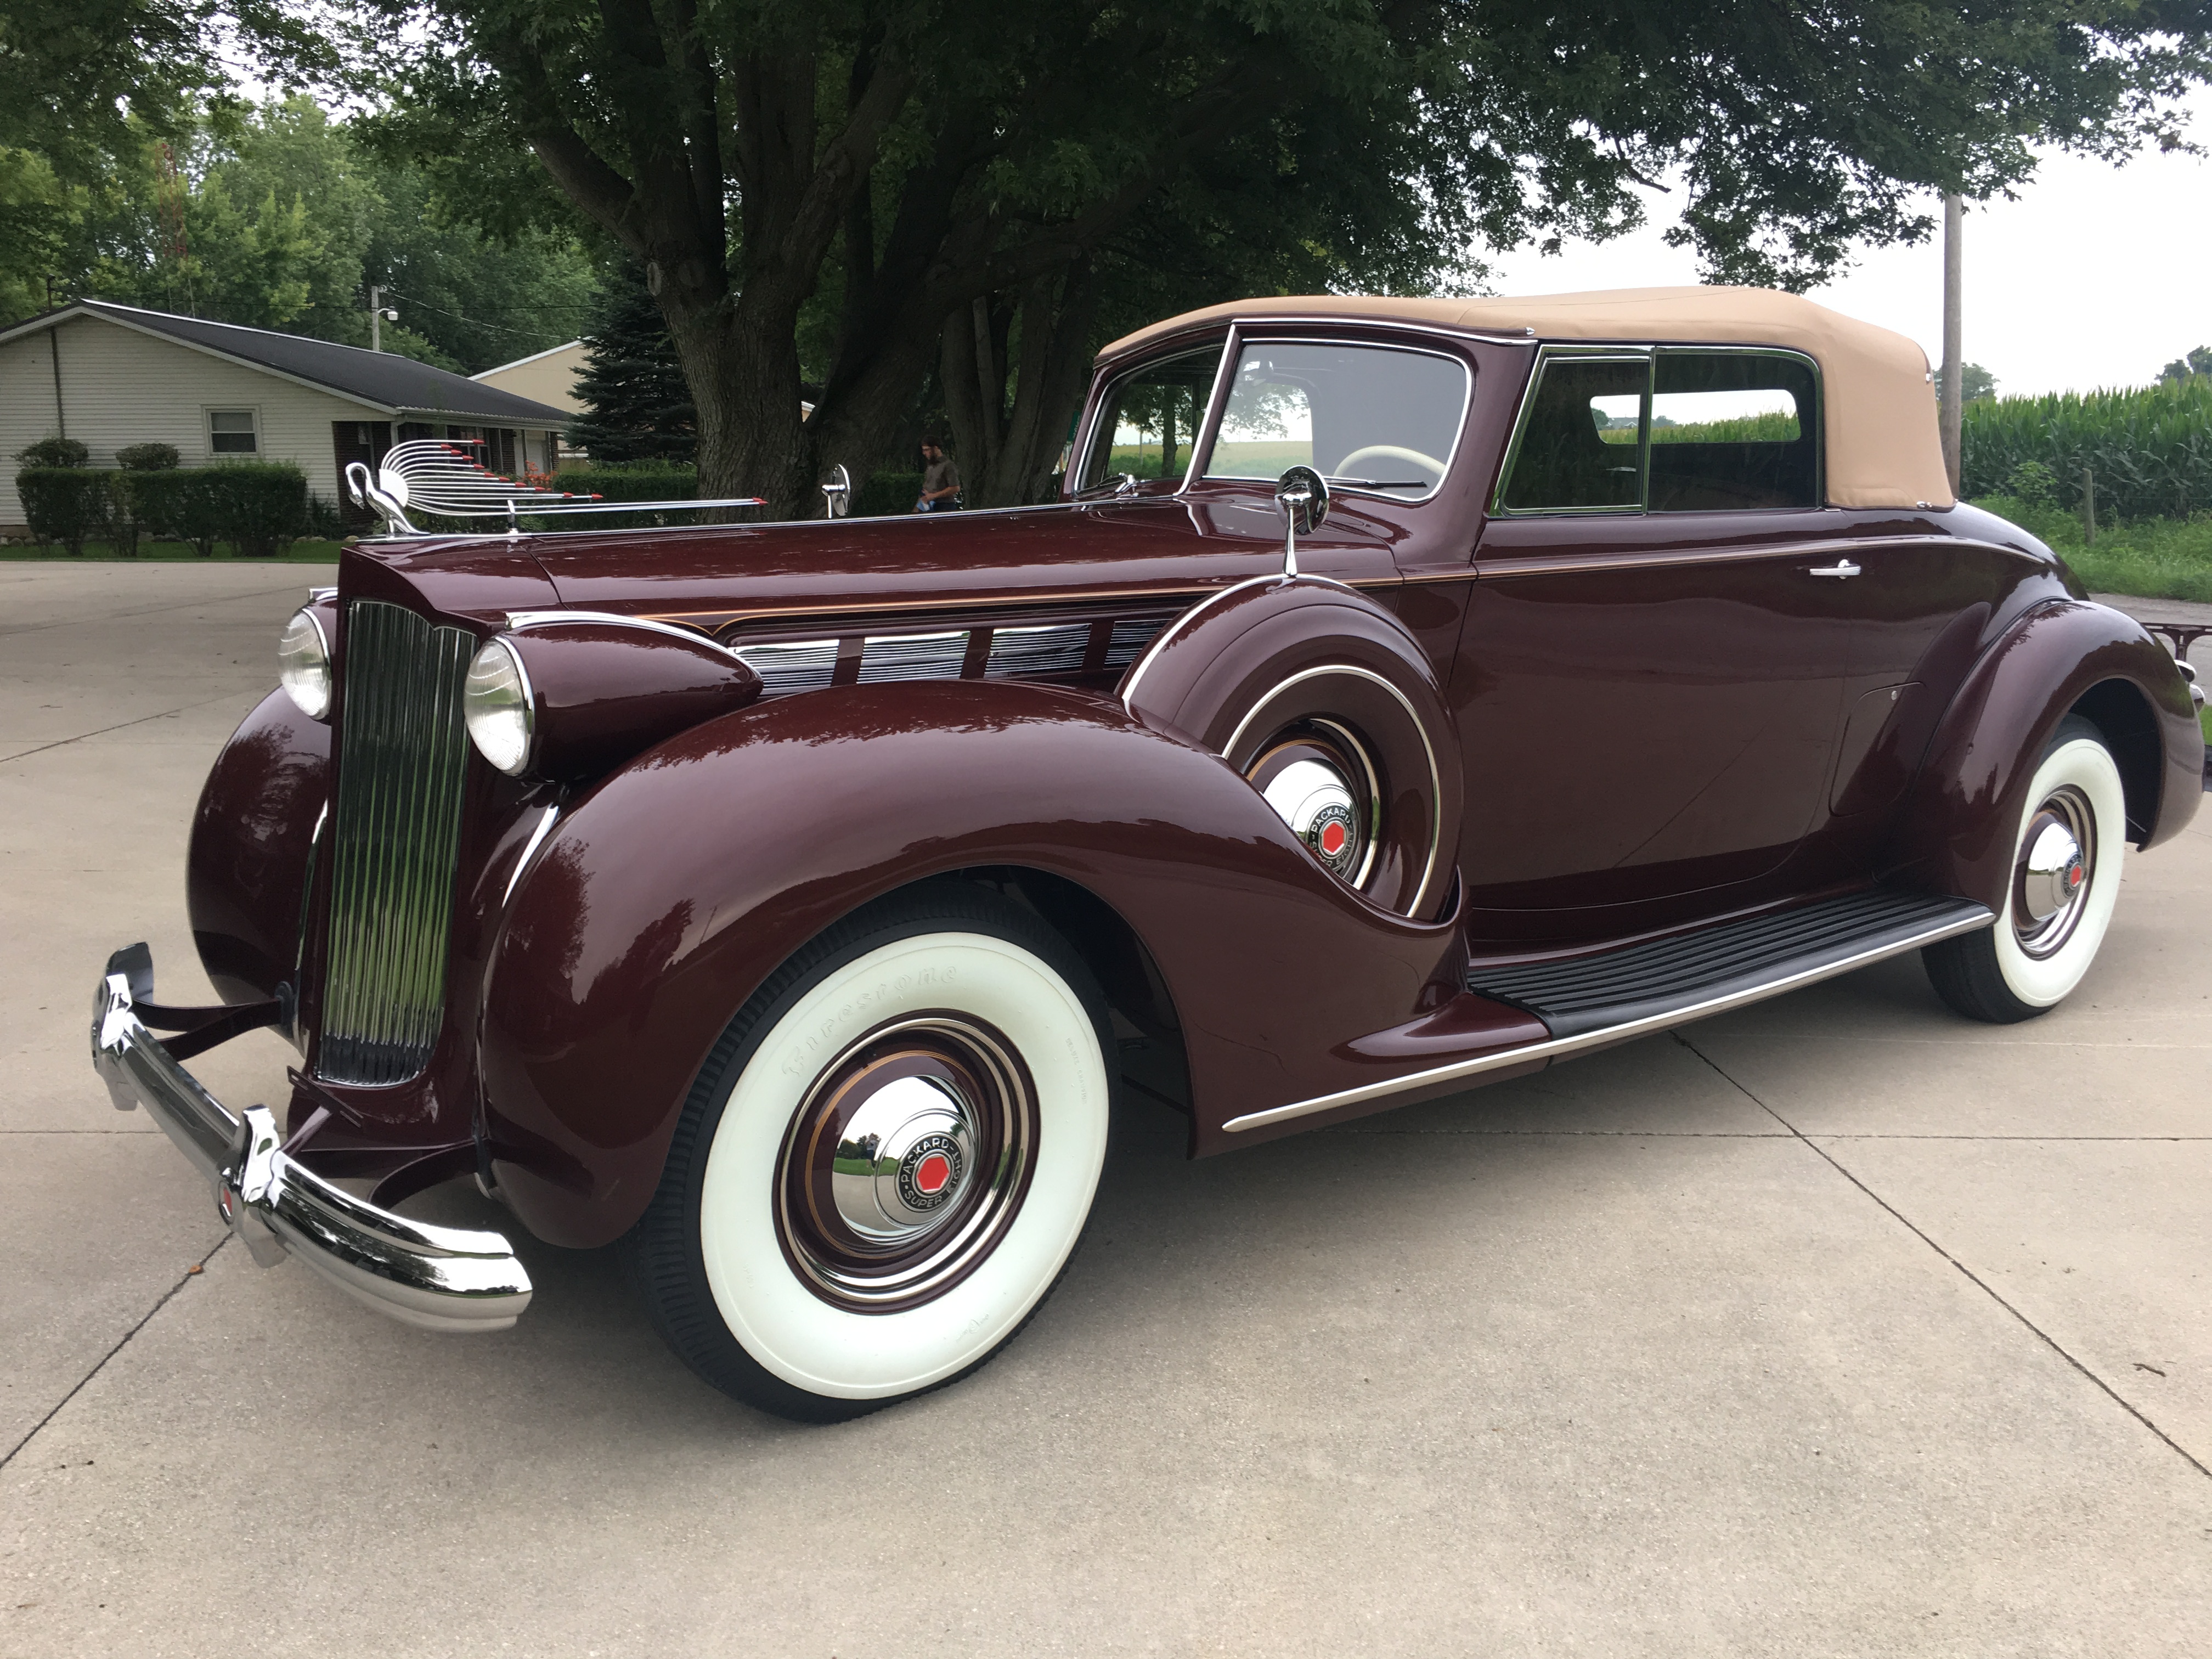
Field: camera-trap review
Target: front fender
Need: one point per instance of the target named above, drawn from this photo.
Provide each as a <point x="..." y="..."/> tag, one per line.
<point x="676" y="886"/>
<point x="252" y="836"/>
<point x="1956" y="834"/>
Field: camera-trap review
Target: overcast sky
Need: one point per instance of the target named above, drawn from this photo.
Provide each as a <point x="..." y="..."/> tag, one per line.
<point x="2096" y="276"/>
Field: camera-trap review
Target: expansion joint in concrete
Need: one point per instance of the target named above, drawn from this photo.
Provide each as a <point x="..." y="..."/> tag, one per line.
<point x="183" y="1279"/>
<point x="1973" y="1278"/>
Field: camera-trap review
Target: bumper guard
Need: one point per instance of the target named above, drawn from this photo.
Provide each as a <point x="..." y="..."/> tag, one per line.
<point x="442" y="1278"/>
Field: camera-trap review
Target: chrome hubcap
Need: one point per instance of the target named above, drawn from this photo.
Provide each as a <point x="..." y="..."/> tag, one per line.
<point x="1314" y="800"/>
<point x="903" y="1157"/>
<point x="905" y="1164"/>
<point x="2051" y="875"/>
<point x="1321" y="783"/>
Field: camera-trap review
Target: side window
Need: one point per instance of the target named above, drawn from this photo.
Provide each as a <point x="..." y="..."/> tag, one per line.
<point x="1580" y="447"/>
<point x="231" y="431"/>
<point x="1733" y="430"/>
<point x="1365" y="418"/>
<point x="1150" y="417"/>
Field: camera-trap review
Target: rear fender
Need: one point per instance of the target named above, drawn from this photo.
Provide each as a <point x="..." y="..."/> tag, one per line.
<point x="673" y="890"/>
<point x="1956" y="832"/>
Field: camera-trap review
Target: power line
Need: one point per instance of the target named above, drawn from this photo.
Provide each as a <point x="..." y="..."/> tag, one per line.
<point x="498" y="328"/>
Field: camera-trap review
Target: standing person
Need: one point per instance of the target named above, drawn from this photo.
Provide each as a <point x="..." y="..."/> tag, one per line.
<point x="940" y="479"/>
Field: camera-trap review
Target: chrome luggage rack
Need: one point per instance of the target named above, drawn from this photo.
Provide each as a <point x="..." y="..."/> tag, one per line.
<point x="438" y="476"/>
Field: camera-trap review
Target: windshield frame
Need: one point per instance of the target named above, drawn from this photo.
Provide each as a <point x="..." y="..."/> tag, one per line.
<point x="1102" y="401"/>
<point x="1250" y="334"/>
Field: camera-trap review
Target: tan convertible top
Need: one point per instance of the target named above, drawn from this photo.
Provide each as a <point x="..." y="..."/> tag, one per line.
<point x="1882" y="447"/>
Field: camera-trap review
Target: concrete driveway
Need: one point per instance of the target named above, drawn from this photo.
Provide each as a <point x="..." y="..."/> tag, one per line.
<point x="1835" y="1326"/>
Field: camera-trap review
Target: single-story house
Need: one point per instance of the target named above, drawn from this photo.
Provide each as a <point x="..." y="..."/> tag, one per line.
<point x="112" y="375"/>
<point x="547" y="377"/>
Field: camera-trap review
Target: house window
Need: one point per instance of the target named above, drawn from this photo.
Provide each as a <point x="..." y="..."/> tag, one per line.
<point x="232" y="432"/>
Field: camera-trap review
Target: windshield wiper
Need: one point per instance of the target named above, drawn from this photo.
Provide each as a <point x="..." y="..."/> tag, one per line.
<point x="1381" y="483"/>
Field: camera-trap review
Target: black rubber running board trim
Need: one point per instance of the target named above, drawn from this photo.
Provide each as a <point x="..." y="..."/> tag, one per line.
<point x="1614" y="995"/>
<point x="1627" y="986"/>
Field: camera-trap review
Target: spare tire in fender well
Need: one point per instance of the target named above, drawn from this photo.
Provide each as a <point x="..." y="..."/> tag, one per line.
<point x="1270" y="655"/>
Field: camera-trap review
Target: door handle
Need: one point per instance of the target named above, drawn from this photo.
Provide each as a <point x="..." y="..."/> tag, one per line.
<point x="1841" y="568"/>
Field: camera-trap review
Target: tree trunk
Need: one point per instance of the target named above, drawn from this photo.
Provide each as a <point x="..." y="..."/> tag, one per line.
<point x="1009" y="448"/>
<point x="741" y="363"/>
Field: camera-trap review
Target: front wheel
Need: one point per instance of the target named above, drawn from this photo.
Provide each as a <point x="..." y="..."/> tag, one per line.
<point x="887" y="1160"/>
<point x="2065" y="879"/>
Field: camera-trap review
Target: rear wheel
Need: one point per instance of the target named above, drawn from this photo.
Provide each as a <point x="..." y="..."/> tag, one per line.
<point x="2065" y="878"/>
<point x="886" y="1161"/>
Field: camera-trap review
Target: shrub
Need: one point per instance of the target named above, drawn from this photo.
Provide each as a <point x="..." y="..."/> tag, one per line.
<point x="199" y="512"/>
<point x="2034" y="482"/>
<point x="148" y="458"/>
<point x="71" y="505"/>
<point x="642" y="481"/>
<point x="155" y="502"/>
<point x="257" y="507"/>
<point x="324" y="521"/>
<point x="886" y="493"/>
<point x="54" y="451"/>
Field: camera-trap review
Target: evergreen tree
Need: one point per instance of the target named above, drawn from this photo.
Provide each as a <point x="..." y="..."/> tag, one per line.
<point x="632" y="385"/>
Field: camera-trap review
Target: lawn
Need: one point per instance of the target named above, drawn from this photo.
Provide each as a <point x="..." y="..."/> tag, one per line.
<point x="2151" y="558"/>
<point x="302" y="552"/>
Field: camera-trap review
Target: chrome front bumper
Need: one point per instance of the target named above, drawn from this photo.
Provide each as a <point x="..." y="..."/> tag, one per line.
<point x="443" y="1278"/>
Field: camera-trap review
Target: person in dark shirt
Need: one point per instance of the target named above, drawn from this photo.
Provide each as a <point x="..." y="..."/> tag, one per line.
<point x="940" y="479"/>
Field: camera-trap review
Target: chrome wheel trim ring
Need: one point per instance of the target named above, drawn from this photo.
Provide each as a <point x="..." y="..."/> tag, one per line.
<point x="905" y="1163"/>
<point x="2053" y="872"/>
<point x="1315" y="772"/>
<point x="1351" y="670"/>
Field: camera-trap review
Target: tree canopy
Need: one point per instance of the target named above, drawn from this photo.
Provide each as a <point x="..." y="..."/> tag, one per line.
<point x="2195" y="363"/>
<point x="276" y="217"/>
<point x="906" y="188"/>
<point x="1974" y="381"/>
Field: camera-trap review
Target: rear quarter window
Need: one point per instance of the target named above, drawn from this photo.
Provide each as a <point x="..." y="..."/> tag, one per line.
<point x="1733" y="430"/>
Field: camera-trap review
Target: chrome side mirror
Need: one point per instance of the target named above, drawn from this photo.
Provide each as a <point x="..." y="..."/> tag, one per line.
<point x="1302" y="495"/>
<point x="837" y="494"/>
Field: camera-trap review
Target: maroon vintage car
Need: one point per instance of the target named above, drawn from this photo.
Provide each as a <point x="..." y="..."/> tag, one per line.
<point x="1403" y="695"/>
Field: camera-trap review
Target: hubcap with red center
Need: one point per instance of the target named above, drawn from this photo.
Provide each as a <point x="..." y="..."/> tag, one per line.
<point x="2051" y="877"/>
<point x="1308" y="777"/>
<point x="905" y="1163"/>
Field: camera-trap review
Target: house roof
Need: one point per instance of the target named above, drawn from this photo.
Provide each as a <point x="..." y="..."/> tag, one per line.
<point x="383" y="379"/>
<point x="1878" y="407"/>
<point x="524" y="363"/>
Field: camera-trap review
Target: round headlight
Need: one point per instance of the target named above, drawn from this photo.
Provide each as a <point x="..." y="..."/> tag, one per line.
<point x="303" y="664"/>
<point x="496" y="705"/>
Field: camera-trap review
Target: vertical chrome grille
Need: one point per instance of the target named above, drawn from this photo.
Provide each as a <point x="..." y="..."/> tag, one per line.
<point x="401" y="756"/>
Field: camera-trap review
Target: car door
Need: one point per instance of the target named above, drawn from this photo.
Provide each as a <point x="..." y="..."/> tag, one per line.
<point x="1651" y="670"/>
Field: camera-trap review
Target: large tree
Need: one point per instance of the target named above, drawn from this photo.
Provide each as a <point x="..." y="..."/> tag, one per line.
<point x="85" y="85"/>
<point x="965" y="188"/>
<point x="284" y="222"/>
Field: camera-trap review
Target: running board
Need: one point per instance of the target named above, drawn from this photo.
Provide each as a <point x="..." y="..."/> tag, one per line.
<point x="1590" y="1001"/>
<point x="1757" y="956"/>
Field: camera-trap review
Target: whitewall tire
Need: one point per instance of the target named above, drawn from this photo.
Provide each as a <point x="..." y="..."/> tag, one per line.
<point x="2067" y="851"/>
<point x="887" y="1160"/>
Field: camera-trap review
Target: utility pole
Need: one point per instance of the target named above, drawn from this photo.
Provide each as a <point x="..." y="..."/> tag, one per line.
<point x="1955" y="214"/>
<point x="377" y="313"/>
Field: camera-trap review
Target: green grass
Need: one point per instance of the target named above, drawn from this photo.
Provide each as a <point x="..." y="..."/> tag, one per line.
<point x="302" y="552"/>
<point x="2150" y="558"/>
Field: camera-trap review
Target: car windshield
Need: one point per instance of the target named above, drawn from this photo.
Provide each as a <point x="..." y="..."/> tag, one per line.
<point x="1365" y="418"/>
<point x="1150" y="420"/>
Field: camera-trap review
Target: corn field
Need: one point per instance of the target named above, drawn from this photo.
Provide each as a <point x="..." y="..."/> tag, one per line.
<point x="2150" y="450"/>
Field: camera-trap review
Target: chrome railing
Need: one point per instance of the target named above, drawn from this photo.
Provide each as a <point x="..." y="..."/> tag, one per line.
<point x="402" y="759"/>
